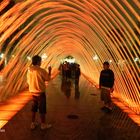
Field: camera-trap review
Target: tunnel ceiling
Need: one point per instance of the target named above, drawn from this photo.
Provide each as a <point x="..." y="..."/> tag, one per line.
<point x="92" y="31"/>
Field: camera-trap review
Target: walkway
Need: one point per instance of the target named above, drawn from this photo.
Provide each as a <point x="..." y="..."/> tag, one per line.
<point x="75" y="115"/>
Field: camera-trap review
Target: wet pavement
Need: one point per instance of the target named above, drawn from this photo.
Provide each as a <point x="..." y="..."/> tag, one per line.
<point x="75" y="114"/>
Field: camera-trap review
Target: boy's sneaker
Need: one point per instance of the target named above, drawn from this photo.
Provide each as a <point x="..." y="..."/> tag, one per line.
<point x="45" y="126"/>
<point x="33" y="125"/>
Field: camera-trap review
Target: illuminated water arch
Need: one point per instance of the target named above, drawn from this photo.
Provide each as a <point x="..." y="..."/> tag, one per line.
<point x="92" y="31"/>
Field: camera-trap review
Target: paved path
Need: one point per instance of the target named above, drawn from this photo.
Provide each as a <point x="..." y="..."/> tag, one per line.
<point x="75" y="115"/>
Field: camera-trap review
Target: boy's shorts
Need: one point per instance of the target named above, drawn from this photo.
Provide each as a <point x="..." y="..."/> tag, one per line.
<point x="105" y="96"/>
<point x="39" y="102"/>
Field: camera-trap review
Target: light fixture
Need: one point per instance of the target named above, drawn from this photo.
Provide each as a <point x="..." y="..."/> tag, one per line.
<point x="29" y="58"/>
<point x="1" y="55"/>
<point x="136" y="59"/>
<point x="95" y="57"/>
<point x="44" y="56"/>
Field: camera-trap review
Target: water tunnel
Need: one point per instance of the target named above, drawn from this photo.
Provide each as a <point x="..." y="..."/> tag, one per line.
<point x="90" y="31"/>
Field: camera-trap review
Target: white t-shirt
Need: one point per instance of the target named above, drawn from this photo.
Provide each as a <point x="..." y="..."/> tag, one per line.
<point x="36" y="77"/>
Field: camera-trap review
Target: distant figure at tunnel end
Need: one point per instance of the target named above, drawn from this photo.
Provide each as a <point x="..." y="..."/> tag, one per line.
<point x="106" y="83"/>
<point x="36" y="78"/>
<point x="49" y="70"/>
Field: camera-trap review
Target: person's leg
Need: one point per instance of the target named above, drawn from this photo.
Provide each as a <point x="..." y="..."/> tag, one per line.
<point x="102" y="99"/>
<point x="42" y="107"/>
<point x="108" y="102"/>
<point x="109" y="105"/>
<point x="76" y="82"/>
<point x="43" y="118"/>
<point x="33" y="116"/>
<point x="34" y="107"/>
<point x="34" y="110"/>
<point x="42" y="111"/>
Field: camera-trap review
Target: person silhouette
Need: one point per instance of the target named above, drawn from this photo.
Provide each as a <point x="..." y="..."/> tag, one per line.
<point x="36" y="78"/>
<point x="106" y="83"/>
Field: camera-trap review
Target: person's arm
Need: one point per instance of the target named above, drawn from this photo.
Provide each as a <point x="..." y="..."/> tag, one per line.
<point x="112" y="81"/>
<point x="100" y="79"/>
<point x="45" y="75"/>
<point x="28" y="77"/>
<point x="79" y="72"/>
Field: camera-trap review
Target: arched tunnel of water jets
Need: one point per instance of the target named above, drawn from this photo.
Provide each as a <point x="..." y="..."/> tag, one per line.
<point x="91" y="31"/>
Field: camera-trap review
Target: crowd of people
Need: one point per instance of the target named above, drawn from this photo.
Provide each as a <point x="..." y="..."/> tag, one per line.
<point x="70" y="71"/>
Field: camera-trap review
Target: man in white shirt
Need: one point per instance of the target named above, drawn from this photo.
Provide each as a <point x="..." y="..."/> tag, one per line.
<point x="36" y="78"/>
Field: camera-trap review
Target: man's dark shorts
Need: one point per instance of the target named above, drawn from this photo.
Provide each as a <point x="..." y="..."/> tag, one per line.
<point x="39" y="102"/>
<point x="105" y="96"/>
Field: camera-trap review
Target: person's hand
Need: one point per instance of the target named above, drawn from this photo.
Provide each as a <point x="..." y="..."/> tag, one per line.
<point x="46" y="83"/>
<point x="111" y="90"/>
